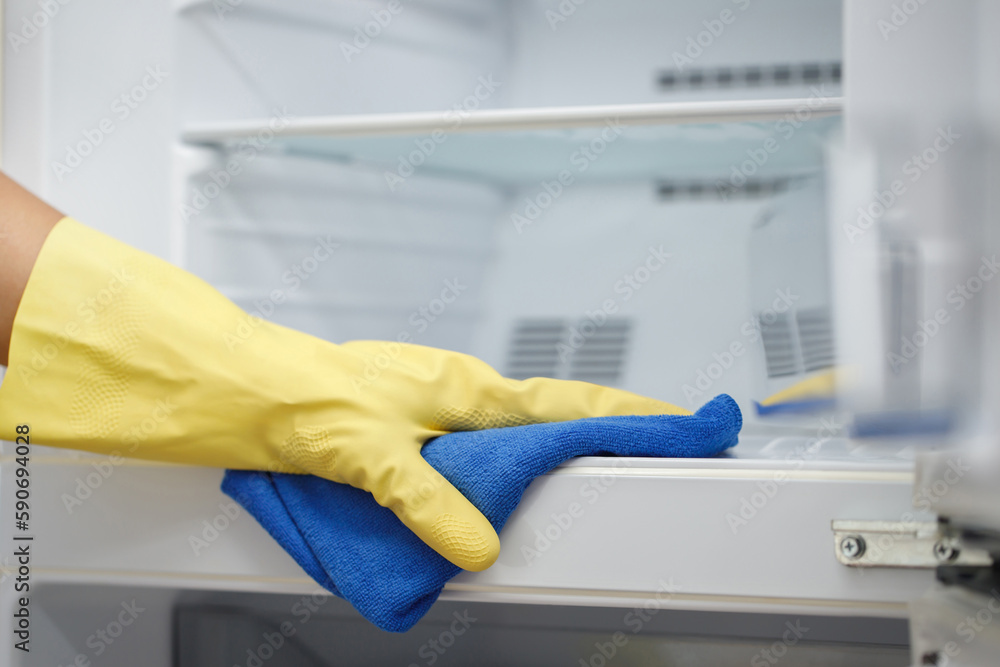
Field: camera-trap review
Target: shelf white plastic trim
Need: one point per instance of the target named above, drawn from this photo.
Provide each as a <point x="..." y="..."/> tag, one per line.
<point x="672" y="113"/>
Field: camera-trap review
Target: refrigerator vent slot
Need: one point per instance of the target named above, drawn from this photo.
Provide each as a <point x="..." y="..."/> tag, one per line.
<point x="569" y="350"/>
<point x="721" y="190"/>
<point x="779" y="345"/>
<point x="534" y="349"/>
<point x="601" y="357"/>
<point x="751" y="76"/>
<point x="797" y="342"/>
<point x="816" y="338"/>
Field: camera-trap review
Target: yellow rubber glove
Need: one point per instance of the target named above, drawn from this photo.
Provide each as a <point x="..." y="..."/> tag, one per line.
<point x="819" y="386"/>
<point x="116" y="351"/>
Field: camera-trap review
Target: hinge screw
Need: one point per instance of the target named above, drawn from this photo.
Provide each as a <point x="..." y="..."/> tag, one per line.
<point x="930" y="658"/>
<point x="945" y="551"/>
<point x="852" y="547"/>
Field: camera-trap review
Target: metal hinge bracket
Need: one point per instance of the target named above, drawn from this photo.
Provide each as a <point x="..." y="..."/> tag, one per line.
<point x="900" y="544"/>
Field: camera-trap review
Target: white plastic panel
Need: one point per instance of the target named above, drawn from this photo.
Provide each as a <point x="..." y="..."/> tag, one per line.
<point x="640" y="522"/>
<point x="316" y="57"/>
<point x="624" y="46"/>
<point x="318" y="246"/>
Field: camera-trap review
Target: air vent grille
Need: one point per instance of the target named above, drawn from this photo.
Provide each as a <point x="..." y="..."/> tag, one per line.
<point x="533" y="349"/>
<point x="751" y="76"/>
<point x="569" y="350"/>
<point x="721" y="190"/>
<point x="780" y="346"/>
<point x="797" y="342"/>
<point x="816" y="339"/>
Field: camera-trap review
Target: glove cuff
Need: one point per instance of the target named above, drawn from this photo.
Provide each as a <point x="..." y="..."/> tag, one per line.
<point x="116" y="351"/>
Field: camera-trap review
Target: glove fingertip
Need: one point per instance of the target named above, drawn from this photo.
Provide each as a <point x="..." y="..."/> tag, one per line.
<point x="446" y="520"/>
<point x="465" y="544"/>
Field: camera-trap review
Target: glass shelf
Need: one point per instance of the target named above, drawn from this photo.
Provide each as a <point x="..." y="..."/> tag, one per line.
<point x="512" y="147"/>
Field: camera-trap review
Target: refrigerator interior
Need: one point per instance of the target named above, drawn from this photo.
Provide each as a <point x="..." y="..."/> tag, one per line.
<point x="674" y="260"/>
<point x="637" y="256"/>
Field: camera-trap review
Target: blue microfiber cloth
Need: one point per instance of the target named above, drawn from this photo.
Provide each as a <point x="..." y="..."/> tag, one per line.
<point x="359" y="550"/>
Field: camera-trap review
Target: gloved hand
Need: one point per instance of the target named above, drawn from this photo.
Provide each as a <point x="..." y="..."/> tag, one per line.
<point x="116" y="351"/>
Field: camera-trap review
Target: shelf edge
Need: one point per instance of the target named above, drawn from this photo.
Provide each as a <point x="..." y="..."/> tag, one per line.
<point x="495" y="120"/>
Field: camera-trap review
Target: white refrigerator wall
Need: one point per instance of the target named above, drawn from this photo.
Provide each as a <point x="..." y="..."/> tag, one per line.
<point x="615" y="52"/>
<point x="67" y="79"/>
<point x="240" y="60"/>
